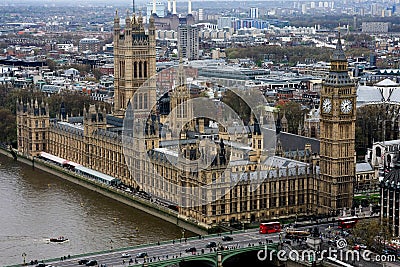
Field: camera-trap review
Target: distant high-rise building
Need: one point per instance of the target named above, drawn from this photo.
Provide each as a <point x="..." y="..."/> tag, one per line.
<point x="254" y="12"/>
<point x="188" y="42"/>
<point x="355" y="23"/>
<point x="89" y="44"/>
<point x="372" y="59"/>
<point x="375" y="27"/>
<point x="201" y="14"/>
<point x="160" y="10"/>
<point x="303" y="9"/>
<point x="225" y="22"/>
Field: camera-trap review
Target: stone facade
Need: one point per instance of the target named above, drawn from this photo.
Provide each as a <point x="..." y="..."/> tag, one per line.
<point x="337" y="136"/>
<point x="210" y="188"/>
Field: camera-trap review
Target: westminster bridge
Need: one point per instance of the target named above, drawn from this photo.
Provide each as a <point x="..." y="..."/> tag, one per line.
<point x="245" y="248"/>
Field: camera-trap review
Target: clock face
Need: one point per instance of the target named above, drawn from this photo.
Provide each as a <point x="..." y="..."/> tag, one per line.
<point x="327" y="105"/>
<point x="346" y="106"/>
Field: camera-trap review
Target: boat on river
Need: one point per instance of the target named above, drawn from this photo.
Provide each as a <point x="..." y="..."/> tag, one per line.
<point x="59" y="239"/>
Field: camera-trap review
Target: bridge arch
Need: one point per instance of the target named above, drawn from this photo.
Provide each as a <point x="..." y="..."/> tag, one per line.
<point x="200" y="261"/>
<point x="251" y="252"/>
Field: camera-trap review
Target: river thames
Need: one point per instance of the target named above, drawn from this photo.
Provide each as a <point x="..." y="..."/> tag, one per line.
<point x="36" y="206"/>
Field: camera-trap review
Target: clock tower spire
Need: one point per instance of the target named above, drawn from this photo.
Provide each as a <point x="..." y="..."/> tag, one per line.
<point x="337" y="137"/>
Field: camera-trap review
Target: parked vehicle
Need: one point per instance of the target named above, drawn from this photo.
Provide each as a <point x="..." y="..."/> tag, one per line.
<point x="91" y="263"/>
<point x="83" y="261"/>
<point x="227" y="238"/>
<point x="270" y="227"/>
<point x="211" y="244"/>
<point x="141" y="255"/>
<point x="359" y="247"/>
<point x="191" y="249"/>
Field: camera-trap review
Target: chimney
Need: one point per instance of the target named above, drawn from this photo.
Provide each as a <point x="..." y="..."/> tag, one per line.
<point x="174" y="7"/>
<point x="154" y="7"/>
<point x="189" y="7"/>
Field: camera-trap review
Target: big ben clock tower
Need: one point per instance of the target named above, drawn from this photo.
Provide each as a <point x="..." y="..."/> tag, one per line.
<point x="337" y="126"/>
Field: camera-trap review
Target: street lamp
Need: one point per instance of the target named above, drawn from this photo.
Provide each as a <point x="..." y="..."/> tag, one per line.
<point x="24" y="257"/>
<point x="183" y="233"/>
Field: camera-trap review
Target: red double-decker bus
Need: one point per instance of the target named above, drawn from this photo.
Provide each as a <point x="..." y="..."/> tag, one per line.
<point x="347" y="222"/>
<point x="270" y="227"/>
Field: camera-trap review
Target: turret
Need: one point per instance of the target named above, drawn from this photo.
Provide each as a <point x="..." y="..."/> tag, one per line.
<point x="32" y="127"/>
<point x="256" y="142"/>
<point x="93" y="119"/>
<point x="128" y="30"/>
<point x="117" y="28"/>
<point x="152" y="32"/>
<point x="284" y="123"/>
<point x="152" y="135"/>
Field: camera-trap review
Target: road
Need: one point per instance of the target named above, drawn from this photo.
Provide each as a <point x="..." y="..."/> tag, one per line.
<point x="173" y="249"/>
<point x="177" y="249"/>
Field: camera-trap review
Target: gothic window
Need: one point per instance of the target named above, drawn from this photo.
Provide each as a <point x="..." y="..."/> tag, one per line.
<point x="378" y="152"/>
<point x="145" y="69"/>
<point x="140" y="101"/>
<point x="135" y="70"/>
<point x="135" y="106"/>
<point x="122" y="69"/>
<point x="313" y="131"/>
<point x="214" y="209"/>
<point x="145" y="101"/>
<point x="140" y="69"/>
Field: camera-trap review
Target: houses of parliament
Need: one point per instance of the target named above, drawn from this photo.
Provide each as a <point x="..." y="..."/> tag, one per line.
<point x="166" y="164"/>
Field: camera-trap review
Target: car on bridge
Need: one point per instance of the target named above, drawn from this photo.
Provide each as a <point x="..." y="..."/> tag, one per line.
<point x="191" y="249"/>
<point x="126" y="255"/>
<point x="83" y="261"/>
<point x="91" y="263"/>
<point x="227" y="238"/>
<point x="141" y="255"/>
<point x="211" y="244"/>
<point x="359" y="247"/>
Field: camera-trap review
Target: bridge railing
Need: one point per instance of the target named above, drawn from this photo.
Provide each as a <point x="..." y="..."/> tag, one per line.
<point x="209" y="256"/>
<point x="188" y="257"/>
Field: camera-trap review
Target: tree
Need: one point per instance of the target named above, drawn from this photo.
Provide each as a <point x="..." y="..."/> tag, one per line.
<point x="8" y="126"/>
<point x="280" y="54"/>
<point x="294" y="114"/>
<point x="372" y="232"/>
<point x="238" y="105"/>
<point x="97" y="74"/>
<point x="370" y="123"/>
<point x="51" y="64"/>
